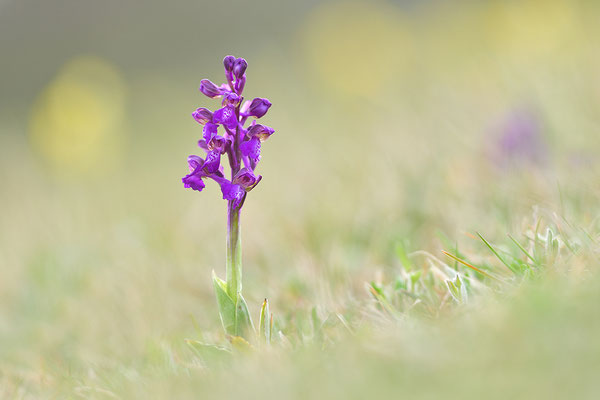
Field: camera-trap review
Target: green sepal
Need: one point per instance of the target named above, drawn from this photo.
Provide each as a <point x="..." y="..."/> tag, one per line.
<point x="227" y="309"/>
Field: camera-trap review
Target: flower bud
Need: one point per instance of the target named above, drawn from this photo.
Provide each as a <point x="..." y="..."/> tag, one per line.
<point x="202" y="115"/>
<point x="239" y="67"/>
<point x="258" y="107"/>
<point x="262" y="132"/>
<point x="210" y="89"/>
<point x="228" y="62"/>
<point x="239" y="84"/>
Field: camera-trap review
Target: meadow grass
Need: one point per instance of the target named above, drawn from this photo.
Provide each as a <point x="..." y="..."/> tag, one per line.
<point x="403" y="252"/>
<point x="105" y="297"/>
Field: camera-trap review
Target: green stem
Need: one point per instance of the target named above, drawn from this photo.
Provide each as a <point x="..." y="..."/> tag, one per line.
<point x="234" y="252"/>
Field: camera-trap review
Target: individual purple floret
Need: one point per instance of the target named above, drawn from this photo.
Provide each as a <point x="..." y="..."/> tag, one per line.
<point x="202" y="115"/>
<point x="210" y="89"/>
<point x="224" y="133"/>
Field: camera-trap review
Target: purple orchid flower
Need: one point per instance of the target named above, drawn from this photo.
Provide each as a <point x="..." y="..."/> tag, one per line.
<point x="194" y="179"/>
<point x="242" y="146"/>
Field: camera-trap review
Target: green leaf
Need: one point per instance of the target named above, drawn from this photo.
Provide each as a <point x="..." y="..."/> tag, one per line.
<point x="403" y="256"/>
<point x="243" y="321"/>
<point x="227" y="309"/>
<point x="523" y="250"/>
<point x="317" y="325"/>
<point x="209" y="353"/>
<point x="457" y="289"/>
<point x="414" y="277"/>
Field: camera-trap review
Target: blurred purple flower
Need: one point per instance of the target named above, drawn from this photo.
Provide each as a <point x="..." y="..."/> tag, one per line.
<point x="519" y="139"/>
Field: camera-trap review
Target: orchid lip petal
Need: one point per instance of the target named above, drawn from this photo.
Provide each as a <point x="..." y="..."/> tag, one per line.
<point x="251" y="149"/>
<point x="226" y="117"/>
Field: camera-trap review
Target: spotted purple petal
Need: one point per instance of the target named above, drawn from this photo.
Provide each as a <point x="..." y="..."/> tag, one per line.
<point x="212" y="162"/>
<point x="232" y="192"/>
<point x="226" y="116"/>
<point x="251" y="149"/>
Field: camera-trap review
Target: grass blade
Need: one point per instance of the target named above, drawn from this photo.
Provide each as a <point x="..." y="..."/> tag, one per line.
<point x="496" y="254"/>
<point x="523" y="249"/>
<point x="471" y="266"/>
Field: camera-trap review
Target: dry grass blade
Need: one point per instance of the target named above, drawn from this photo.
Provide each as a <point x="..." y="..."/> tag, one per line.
<point x="474" y="268"/>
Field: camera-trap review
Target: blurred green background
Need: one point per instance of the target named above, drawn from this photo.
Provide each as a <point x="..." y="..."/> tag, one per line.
<point x="396" y="122"/>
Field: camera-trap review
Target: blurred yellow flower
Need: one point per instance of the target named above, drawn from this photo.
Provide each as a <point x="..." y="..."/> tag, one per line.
<point x="75" y="121"/>
<point x="354" y="47"/>
<point x="524" y="29"/>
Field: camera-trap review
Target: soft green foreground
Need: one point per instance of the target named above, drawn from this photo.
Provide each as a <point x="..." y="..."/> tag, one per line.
<point x="105" y="272"/>
<point x="101" y="289"/>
